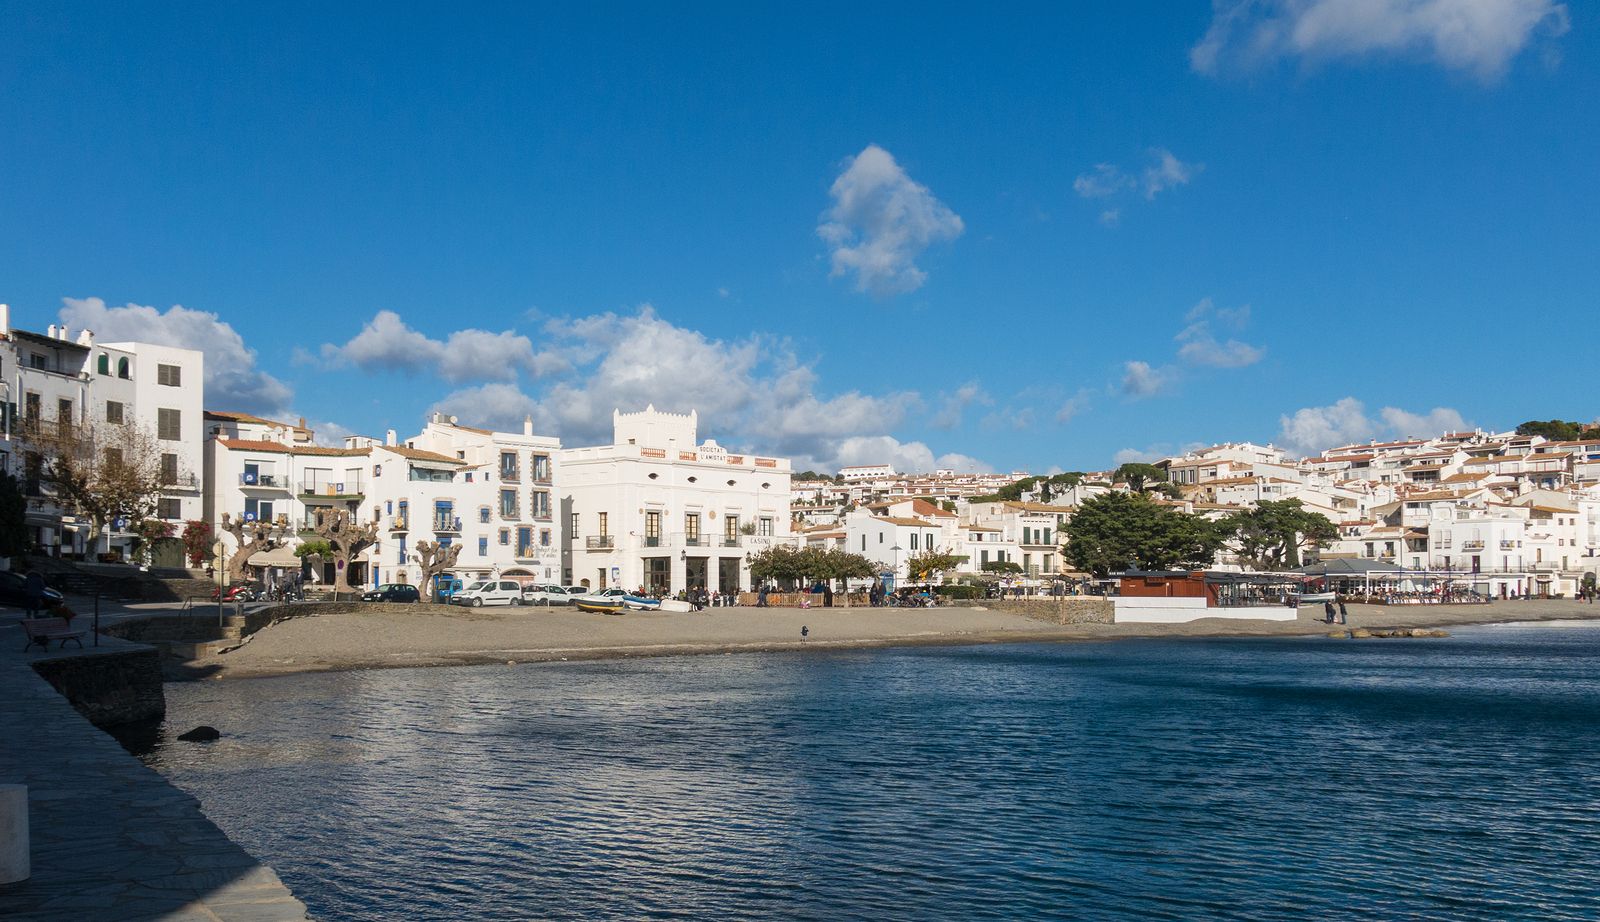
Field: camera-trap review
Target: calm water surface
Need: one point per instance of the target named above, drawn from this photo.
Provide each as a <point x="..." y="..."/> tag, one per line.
<point x="1237" y="779"/>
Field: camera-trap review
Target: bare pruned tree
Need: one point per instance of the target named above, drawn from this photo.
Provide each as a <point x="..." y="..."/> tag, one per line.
<point x="346" y="540"/>
<point x="434" y="559"/>
<point x="248" y="538"/>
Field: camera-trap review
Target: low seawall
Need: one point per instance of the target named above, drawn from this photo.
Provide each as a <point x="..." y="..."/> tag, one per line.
<point x="111" y="687"/>
<point x="1067" y="610"/>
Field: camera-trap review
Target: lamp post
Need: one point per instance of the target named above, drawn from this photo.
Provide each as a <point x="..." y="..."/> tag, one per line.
<point x="895" y="549"/>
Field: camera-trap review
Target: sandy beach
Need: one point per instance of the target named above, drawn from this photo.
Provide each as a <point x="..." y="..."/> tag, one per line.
<point x="392" y="636"/>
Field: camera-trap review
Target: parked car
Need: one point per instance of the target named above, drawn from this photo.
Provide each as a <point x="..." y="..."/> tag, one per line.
<point x="247" y="591"/>
<point x="536" y="594"/>
<point x="575" y="591"/>
<point x="392" y="592"/>
<point x="489" y="592"/>
<point x="14" y="591"/>
<point x="448" y="586"/>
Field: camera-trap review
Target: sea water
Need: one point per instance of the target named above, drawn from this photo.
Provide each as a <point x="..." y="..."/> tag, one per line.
<point x="1276" y="778"/>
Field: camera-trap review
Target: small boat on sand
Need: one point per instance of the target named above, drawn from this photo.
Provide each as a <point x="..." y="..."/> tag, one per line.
<point x="641" y="603"/>
<point x="605" y="602"/>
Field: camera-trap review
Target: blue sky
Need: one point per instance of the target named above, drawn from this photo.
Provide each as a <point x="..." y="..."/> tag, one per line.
<point x="1028" y="238"/>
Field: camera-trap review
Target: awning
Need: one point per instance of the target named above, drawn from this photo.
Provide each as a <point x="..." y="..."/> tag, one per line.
<point x="281" y="556"/>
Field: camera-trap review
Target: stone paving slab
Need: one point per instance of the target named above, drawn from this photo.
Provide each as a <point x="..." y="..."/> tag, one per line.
<point x="112" y="839"/>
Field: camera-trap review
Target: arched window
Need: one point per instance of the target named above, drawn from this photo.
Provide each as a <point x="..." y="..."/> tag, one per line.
<point x="105" y="364"/>
<point x="122" y="367"/>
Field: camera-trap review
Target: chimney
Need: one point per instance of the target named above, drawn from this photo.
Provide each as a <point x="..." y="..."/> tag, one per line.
<point x="51" y="331"/>
<point x="527" y="425"/>
<point x="389" y="438"/>
<point x="86" y="338"/>
<point x="5" y="319"/>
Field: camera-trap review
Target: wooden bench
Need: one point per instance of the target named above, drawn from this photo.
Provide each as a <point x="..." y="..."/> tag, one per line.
<point x="43" y="630"/>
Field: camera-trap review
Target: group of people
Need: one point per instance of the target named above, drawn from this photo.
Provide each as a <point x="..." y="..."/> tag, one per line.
<point x="1333" y="615"/>
<point x="702" y="598"/>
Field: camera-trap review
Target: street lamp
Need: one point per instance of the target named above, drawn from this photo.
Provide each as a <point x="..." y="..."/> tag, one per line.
<point x="895" y="550"/>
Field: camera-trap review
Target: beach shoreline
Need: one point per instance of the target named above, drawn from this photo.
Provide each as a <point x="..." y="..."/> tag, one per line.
<point x="398" y="637"/>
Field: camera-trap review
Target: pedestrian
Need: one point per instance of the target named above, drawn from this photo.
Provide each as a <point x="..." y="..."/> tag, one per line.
<point x="827" y="594"/>
<point x="1343" y="613"/>
<point x="1327" y="608"/>
<point x="33" y="587"/>
<point x="804" y="633"/>
<point x="761" y="597"/>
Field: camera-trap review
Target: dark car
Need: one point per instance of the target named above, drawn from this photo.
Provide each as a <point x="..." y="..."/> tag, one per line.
<point x="392" y="592"/>
<point x="239" y="592"/>
<point x="14" y="591"/>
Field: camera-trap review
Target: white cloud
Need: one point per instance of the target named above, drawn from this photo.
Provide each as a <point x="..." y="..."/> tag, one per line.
<point x="1201" y="347"/>
<point x="1311" y="430"/>
<point x="1167" y="172"/>
<point x="1103" y="181"/>
<point x="1437" y="421"/>
<point x="954" y="405"/>
<point x="233" y="382"/>
<point x="1140" y="380"/>
<point x="880" y="222"/>
<point x="752" y="393"/>
<point x="907" y="457"/>
<point x="1111" y="217"/>
<point x="387" y="343"/>
<point x="1480" y="37"/>
<point x="329" y="434"/>
<point x="1072" y="406"/>
<point x="1139" y="455"/>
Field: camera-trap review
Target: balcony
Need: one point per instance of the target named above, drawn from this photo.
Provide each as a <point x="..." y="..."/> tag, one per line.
<point x="180" y="481"/>
<point x="400" y="523"/>
<point x="1472" y="545"/>
<point x="697" y="540"/>
<point x="1506" y="545"/>
<point x="262" y="481"/>
<point x="510" y="476"/>
<point x="600" y="542"/>
<point x="445" y="524"/>
<point x="332" y="489"/>
<point x="731" y="541"/>
<point x="656" y="541"/>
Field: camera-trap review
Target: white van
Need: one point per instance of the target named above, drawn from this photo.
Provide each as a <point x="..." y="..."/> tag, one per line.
<point x="489" y="592"/>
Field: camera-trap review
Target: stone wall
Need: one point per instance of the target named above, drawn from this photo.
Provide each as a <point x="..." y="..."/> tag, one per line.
<point x="109" y="688"/>
<point x="1069" y="610"/>
<point x="159" y="628"/>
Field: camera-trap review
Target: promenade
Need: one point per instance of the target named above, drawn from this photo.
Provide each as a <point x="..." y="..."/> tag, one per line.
<point x="112" y="840"/>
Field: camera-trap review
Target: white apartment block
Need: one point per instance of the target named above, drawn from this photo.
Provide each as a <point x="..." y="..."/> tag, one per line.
<point x="57" y="378"/>
<point x="490" y="492"/>
<point x="658" y="510"/>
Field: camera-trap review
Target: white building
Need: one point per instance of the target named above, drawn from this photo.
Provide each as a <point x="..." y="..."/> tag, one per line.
<point x="56" y="378"/>
<point x="656" y="509"/>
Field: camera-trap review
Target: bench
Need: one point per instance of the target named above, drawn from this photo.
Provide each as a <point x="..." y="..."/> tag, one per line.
<point x="43" y="630"/>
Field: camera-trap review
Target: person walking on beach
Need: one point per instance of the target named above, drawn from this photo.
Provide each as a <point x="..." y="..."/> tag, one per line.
<point x="1343" y="613"/>
<point x="804" y="633"/>
<point x="761" y="597"/>
<point x="1327" y="609"/>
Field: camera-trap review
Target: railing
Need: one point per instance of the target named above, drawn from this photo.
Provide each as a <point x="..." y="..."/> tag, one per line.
<point x="1473" y="545"/>
<point x="332" y="488"/>
<point x="656" y="541"/>
<point x="600" y="542"/>
<point x="1507" y="545"/>
<point x="181" y="481"/>
<point x="512" y="515"/>
<point x="511" y="476"/>
<point x="652" y="453"/>
<point x="400" y="523"/>
<point x="700" y="540"/>
<point x="272" y="481"/>
<point x="542" y="478"/>
<point x="766" y="462"/>
<point x="731" y="541"/>
<point x="445" y="523"/>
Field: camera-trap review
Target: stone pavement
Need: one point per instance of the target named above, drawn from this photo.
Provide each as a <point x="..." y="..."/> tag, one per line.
<point x="112" y="839"/>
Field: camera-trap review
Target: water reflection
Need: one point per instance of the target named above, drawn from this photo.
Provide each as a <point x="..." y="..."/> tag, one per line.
<point x="1249" y="779"/>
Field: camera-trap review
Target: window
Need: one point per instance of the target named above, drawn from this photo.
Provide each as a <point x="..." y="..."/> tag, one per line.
<point x="113" y="411"/>
<point x="103" y="366"/>
<point x="169" y="468"/>
<point x="730" y="525"/>
<point x="35" y="360"/>
<point x="652" y="529"/>
<point x="169" y="425"/>
<point x="483" y="514"/>
<point x="863" y="544"/>
<point x="483" y="546"/>
<point x="169" y="375"/>
<point x="541" y="468"/>
<point x="508" y="466"/>
<point x="30" y="409"/>
<point x="64" y="411"/>
<point x="765" y="526"/>
<point x="603" y="525"/>
<point x="113" y="457"/>
<point x="123" y="368"/>
<point x="505" y="537"/>
<point x="169" y="508"/>
<point x="508" y="504"/>
<point x="524" y="540"/>
<point x="541" y="504"/>
<point x="544" y="537"/>
<point x="573" y="525"/>
<point x="691" y="528"/>
<point x="257" y="510"/>
<point x="913" y="541"/>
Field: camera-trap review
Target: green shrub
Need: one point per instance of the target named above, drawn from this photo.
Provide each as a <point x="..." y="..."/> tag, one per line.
<point x="961" y="593"/>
